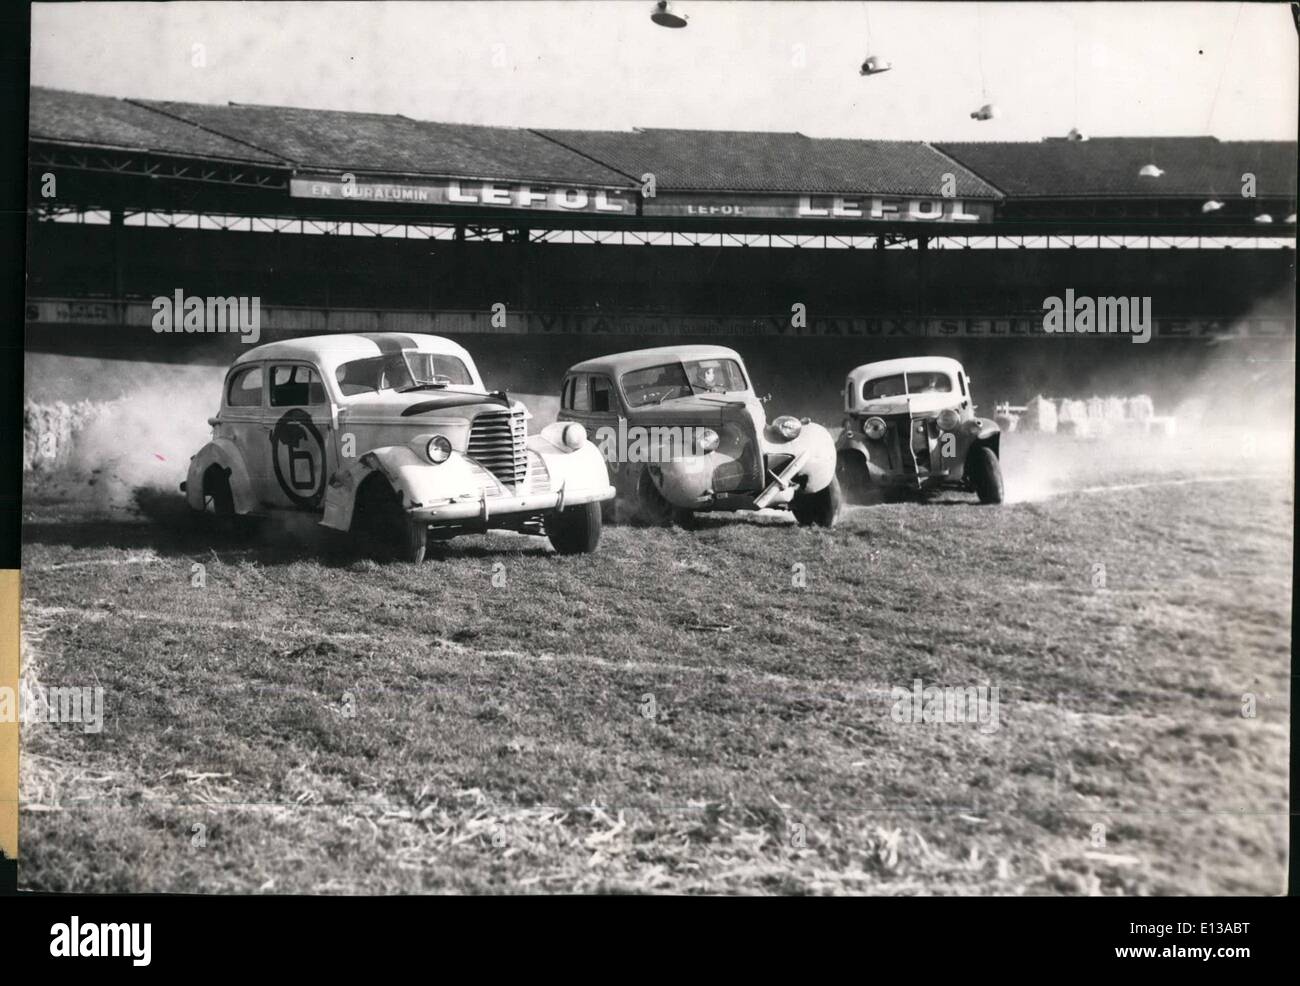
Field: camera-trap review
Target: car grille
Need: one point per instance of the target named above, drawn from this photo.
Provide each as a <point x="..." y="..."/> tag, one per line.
<point x="898" y="435"/>
<point x="498" y="441"/>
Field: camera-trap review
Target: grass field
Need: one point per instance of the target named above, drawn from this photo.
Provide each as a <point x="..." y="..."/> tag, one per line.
<point x="674" y="714"/>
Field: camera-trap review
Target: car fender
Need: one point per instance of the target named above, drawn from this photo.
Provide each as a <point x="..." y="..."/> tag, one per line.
<point x="990" y="434"/>
<point x="583" y="468"/>
<point x="850" y="444"/>
<point x="819" y="470"/>
<point x="686" y="480"/>
<point x="225" y="454"/>
<point x="414" y="479"/>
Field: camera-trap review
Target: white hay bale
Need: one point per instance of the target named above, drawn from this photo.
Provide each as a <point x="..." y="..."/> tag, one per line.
<point x="1040" y="415"/>
<point x="1140" y="408"/>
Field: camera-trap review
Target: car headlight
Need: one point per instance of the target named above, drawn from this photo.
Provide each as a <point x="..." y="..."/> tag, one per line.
<point x="574" y="435"/>
<point x="706" y="439"/>
<point x="788" y="427"/>
<point x="438" y="450"/>
<point x="949" y="419"/>
<point x="874" y="428"/>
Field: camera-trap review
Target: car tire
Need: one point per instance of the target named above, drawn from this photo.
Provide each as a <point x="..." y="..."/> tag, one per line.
<point x="985" y="474"/>
<point x="382" y="528"/>
<point x="687" y="520"/>
<point x="854" y="478"/>
<point x="216" y="486"/>
<point x="652" y="505"/>
<point x="574" y="530"/>
<point x="222" y="519"/>
<point x="821" y="508"/>
<point x="609" y="511"/>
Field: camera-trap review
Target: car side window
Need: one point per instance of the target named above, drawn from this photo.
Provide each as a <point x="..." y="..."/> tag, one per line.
<point x="602" y="394"/>
<point x="961" y="379"/>
<point x="581" y="393"/>
<point x="296" y="386"/>
<point x="245" y="388"/>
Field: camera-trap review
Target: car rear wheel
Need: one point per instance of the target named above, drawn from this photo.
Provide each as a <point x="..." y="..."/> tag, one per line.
<point x="820" y="508"/>
<point x="985" y="474"/>
<point x="218" y="515"/>
<point x="383" y="530"/>
<point x="575" y="530"/>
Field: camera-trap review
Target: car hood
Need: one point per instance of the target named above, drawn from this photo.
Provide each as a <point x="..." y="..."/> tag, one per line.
<point x="913" y="404"/>
<point x="701" y="409"/>
<point x="417" y="404"/>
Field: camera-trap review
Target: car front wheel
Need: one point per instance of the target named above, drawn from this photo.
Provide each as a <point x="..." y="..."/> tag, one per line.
<point x="574" y="530"/>
<point x="653" y="508"/>
<point x="383" y="529"/>
<point x="820" y="508"/>
<point x="853" y="477"/>
<point x="985" y="474"/>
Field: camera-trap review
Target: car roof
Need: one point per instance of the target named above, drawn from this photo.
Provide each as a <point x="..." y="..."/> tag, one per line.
<point x="640" y="358"/>
<point x="905" y="364"/>
<point x="337" y="347"/>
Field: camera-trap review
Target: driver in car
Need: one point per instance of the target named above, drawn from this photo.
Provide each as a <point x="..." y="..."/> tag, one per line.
<point x="706" y="378"/>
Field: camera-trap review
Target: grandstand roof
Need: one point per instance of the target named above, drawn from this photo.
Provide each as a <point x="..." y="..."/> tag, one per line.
<point x="1108" y="166"/>
<point x="333" y="141"/>
<point x="756" y="161"/>
<point x="106" y="122"/>
<point x="342" y="141"/>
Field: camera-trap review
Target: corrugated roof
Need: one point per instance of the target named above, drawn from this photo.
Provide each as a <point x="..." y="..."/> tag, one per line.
<point x="681" y="160"/>
<point x="342" y="141"/>
<point x="103" y="121"/>
<point x="1109" y="166"/>
<point x="755" y="161"/>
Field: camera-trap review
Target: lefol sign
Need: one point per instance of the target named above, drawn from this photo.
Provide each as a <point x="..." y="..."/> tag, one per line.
<point x="869" y="208"/>
<point x="463" y="192"/>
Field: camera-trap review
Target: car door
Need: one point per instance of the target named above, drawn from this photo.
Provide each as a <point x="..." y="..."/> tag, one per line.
<point x="243" y="415"/>
<point x="301" y="444"/>
<point x="591" y="400"/>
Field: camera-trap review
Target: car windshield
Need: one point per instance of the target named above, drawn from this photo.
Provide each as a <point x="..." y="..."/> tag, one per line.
<point x="925" y="382"/>
<point x="408" y="370"/>
<point x="884" y="387"/>
<point x="657" y="384"/>
<point x="929" y="382"/>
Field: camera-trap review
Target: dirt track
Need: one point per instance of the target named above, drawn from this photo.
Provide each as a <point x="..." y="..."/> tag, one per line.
<point x="339" y="726"/>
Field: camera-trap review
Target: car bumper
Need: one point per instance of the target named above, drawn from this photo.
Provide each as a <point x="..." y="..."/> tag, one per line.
<point x="906" y="480"/>
<point x="483" y="508"/>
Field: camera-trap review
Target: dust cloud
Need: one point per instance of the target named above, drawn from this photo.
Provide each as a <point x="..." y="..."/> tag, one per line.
<point x="1233" y="416"/>
<point x="105" y="429"/>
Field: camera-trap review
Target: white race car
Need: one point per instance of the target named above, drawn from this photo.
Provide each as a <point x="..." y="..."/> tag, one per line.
<point x="391" y="436"/>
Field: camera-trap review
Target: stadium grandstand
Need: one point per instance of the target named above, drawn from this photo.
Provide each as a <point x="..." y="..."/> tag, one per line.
<point x="345" y="221"/>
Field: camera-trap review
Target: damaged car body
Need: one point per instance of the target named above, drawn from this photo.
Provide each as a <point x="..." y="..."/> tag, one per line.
<point x="394" y="438"/>
<point x="910" y="428"/>
<point x="683" y="433"/>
